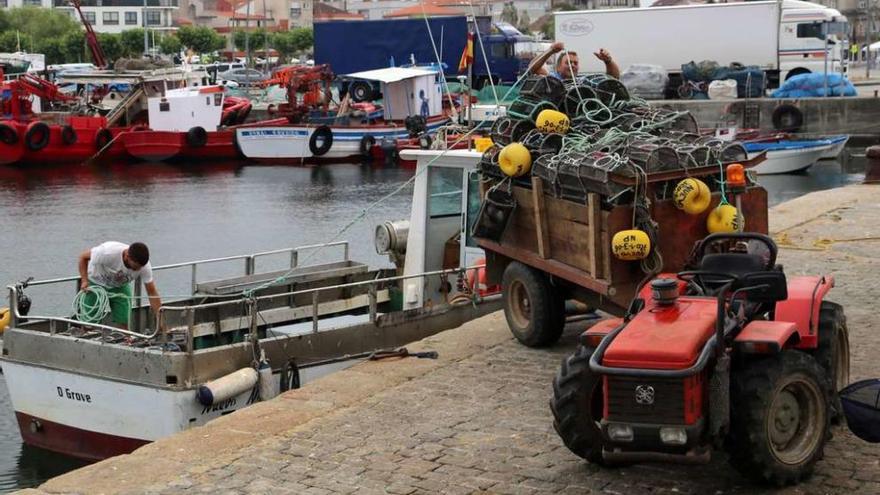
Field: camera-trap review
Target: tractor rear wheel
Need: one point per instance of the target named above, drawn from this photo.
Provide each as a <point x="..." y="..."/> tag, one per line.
<point x="576" y="404"/>
<point x="779" y="422"/>
<point x="833" y="352"/>
<point x="534" y="310"/>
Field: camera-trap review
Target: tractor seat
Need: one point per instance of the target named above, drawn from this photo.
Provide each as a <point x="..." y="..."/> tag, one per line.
<point x="738" y="264"/>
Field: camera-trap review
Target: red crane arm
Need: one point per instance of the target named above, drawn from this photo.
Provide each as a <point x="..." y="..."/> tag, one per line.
<point x="91" y="38"/>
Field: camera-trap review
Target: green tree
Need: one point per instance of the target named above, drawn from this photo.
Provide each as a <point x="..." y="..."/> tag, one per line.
<point x="41" y="23"/>
<point x="257" y="39"/>
<point x="112" y="45"/>
<point x="75" y="49"/>
<point x="508" y="14"/>
<point x="132" y="41"/>
<point x="304" y="38"/>
<point x="10" y="41"/>
<point x="54" y="49"/>
<point x="285" y="44"/>
<point x="524" y="22"/>
<point x="200" y="39"/>
<point x="170" y="45"/>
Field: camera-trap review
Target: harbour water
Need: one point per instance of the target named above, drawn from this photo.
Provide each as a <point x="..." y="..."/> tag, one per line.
<point x="49" y="216"/>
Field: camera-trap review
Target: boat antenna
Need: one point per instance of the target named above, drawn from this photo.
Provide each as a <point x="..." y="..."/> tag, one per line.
<point x="483" y="50"/>
<point x="439" y="62"/>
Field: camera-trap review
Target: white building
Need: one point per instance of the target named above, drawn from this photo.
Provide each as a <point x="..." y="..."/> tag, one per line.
<point x="112" y="16"/>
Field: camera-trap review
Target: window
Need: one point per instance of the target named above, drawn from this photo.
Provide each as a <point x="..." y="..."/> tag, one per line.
<point x="90" y="16"/>
<point x="445" y="187"/>
<point x="111" y="18"/>
<point x="4" y="3"/>
<point x="809" y="30"/>
<point x="154" y="18"/>
<point x="131" y="18"/>
<point x="32" y="3"/>
<point x="295" y="12"/>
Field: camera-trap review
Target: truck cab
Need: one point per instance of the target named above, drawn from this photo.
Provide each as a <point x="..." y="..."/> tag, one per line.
<point x="802" y="40"/>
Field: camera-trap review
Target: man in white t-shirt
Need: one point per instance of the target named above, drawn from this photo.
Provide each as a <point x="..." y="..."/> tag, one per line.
<point x="113" y="266"/>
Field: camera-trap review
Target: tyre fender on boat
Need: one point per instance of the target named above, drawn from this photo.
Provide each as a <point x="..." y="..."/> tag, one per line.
<point x="425" y="142"/>
<point x="197" y="137"/>
<point x="102" y="138"/>
<point x="8" y="134"/>
<point x="5" y="318"/>
<point x="37" y="136"/>
<point x="788" y="118"/>
<point x="227" y="387"/>
<point x="68" y="135"/>
<point x="367" y="143"/>
<point x="325" y="136"/>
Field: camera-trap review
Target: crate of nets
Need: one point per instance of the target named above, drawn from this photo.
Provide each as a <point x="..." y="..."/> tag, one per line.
<point x="580" y="173"/>
<point x="543" y="88"/>
<point x="508" y="130"/>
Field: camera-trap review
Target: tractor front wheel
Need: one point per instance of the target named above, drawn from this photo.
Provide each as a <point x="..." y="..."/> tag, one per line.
<point x="576" y="404"/>
<point x="779" y="422"/>
<point x="535" y="313"/>
<point x="833" y="352"/>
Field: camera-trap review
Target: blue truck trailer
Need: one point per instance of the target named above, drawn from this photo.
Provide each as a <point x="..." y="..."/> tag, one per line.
<point x="355" y="46"/>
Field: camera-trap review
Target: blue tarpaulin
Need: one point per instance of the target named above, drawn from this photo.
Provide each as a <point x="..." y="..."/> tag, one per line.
<point x="813" y="85"/>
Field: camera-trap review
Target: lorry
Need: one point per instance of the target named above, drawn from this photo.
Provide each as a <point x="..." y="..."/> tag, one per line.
<point x="356" y="46"/>
<point x="783" y="39"/>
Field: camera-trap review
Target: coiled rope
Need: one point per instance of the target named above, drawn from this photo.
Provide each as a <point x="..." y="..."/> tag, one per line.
<point x="88" y="312"/>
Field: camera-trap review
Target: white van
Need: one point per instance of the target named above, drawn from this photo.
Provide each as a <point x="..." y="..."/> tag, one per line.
<point x="801" y="44"/>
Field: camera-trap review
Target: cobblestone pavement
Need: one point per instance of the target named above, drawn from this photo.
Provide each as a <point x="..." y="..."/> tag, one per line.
<point x="482" y="424"/>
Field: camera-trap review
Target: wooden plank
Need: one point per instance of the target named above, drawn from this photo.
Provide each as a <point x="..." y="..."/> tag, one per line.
<point x="540" y="216"/>
<point x="593" y="211"/>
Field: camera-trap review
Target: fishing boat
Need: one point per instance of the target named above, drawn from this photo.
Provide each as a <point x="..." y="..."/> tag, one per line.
<point x="787" y="156"/>
<point x="412" y="106"/>
<point x="93" y="391"/>
<point x="838" y="143"/>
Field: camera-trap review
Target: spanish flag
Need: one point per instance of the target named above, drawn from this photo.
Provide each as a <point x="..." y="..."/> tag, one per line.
<point x="467" y="56"/>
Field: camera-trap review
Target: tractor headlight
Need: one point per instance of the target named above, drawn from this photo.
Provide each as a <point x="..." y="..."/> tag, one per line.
<point x="673" y="435"/>
<point x="620" y="433"/>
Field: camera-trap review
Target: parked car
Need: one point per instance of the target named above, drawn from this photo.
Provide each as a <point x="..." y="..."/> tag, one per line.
<point x="244" y="77"/>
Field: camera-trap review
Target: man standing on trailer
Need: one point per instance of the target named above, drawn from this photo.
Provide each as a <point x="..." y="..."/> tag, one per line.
<point x="113" y="266"/>
<point x="566" y="66"/>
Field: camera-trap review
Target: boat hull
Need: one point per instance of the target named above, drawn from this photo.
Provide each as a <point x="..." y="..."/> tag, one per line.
<point x="94" y="418"/>
<point x="291" y="142"/>
<point x="838" y="143"/>
<point x="788" y="161"/>
<point x="153" y="146"/>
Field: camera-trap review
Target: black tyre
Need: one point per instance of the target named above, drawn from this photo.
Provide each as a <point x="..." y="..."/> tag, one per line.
<point x="534" y="312"/>
<point x="37" y="136"/>
<point x="779" y="420"/>
<point x="68" y="135"/>
<point x="788" y="118"/>
<point x="685" y="91"/>
<point x="321" y="141"/>
<point x="833" y="353"/>
<point x="367" y="143"/>
<point x="102" y="138"/>
<point x="197" y="137"/>
<point x="425" y="142"/>
<point x="8" y="134"/>
<point x="576" y="404"/>
<point x="360" y="91"/>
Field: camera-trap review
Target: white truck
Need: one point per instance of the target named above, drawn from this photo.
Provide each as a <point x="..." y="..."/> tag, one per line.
<point x="783" y="38"/>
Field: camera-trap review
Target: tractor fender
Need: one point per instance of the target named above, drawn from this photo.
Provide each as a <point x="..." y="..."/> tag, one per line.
<point x="805" y="295"/>
<point x="598" y="331"/>
<point x="765" y="337"/>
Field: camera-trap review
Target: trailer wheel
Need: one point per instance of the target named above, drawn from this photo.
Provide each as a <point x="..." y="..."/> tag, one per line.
<point x="779" y="422"/>
<point x="833" y="353"/>
<point x="534" y="311"/>
<point x="576" y="404"/>
<point x="360" y="91"/>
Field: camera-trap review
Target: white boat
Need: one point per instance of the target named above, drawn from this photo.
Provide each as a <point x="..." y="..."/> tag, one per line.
<point x="93" y="391"/>
<point x="785" y="157"/>
<point x="408" y="95"/>
<point x="838" y="143"/>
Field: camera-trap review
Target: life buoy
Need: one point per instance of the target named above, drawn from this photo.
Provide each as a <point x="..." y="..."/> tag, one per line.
<point x="37" y="136"/>
<point x="102" y="138"/>
<point x="197" y="137"/>
<point x="360" y="91"/>
<point x="788" y="118"/>
<point x="8" y="134"/>
<point x="425" y="142"/>
<point x="68" y="135"/>
<point x="5" y="318"/>
<point x="367" y="143"/>
<point x="325" y="136"/>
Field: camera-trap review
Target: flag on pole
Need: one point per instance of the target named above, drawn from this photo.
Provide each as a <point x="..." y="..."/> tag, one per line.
<point x="467" y="56"/>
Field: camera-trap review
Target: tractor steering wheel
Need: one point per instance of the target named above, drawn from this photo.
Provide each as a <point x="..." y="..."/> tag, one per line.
<point x="695" y="277"/>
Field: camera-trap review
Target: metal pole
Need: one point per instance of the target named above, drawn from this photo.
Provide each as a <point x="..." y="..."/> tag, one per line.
<point x="825" y="40"/>
<point x="146" y="40"/>
<point x="868" y="37"/>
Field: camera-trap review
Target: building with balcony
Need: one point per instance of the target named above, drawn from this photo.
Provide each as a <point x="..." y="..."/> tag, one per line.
<point x="112" y="16"/>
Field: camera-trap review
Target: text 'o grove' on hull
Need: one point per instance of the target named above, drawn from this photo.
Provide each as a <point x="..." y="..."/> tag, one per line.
<point x="94" y="391"/>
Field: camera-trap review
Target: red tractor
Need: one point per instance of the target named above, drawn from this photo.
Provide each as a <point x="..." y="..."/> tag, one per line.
<point x="730" y="355"/>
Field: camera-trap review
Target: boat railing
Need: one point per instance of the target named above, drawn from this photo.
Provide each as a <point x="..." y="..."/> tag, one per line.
<point x="250" y="267"/>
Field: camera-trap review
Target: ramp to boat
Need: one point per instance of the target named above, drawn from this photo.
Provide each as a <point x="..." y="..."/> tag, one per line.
<point x="476" y="420"/>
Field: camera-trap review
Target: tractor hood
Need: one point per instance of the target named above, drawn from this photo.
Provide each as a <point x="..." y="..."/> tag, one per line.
<point x="664" y="337"/>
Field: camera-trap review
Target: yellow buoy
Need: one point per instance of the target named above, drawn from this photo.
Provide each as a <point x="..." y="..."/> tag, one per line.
<point x="481" y="144"/>
<point x="725" y="218"/>
<point x="552" y="121"/>
<point x="515" y="160"/>
<point x="631" y="245"/>
<point x="5" y="317"/>
<point x="692" y="196"/>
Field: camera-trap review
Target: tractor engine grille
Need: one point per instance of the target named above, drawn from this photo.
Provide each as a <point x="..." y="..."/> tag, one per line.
<point x="645" y="400"/>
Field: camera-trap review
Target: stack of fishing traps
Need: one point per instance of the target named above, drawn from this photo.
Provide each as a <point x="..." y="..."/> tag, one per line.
<point x="610" y="133"/>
